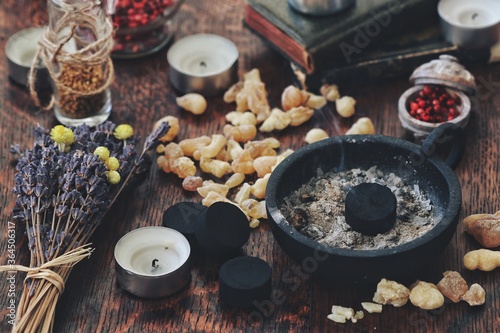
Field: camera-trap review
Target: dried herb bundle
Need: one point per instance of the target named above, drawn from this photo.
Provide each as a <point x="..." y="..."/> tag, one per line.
<point x="65" y="185"/>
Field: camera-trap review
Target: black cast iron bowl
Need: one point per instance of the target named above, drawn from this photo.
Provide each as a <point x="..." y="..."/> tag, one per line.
<point x="414" y="164"/>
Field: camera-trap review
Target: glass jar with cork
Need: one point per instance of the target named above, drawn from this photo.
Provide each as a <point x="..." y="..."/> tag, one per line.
<point x="76" y="50"/>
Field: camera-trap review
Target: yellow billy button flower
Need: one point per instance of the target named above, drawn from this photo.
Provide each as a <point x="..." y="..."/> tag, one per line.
<point x="102" y="152"/>
<point x="112" y="163"/>
<point x="69" y="136"/>
<point x="113" y="177"/>
<point x="62" y="136"/>
<point x="123" y="131"/>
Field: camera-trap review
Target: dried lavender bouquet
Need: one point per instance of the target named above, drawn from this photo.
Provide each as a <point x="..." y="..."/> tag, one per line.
<point x="65" y="185"/>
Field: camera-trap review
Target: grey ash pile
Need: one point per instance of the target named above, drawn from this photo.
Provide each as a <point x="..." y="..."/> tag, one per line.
<point x="317" y="210"/>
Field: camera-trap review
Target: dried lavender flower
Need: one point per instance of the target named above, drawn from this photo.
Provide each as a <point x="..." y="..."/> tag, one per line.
<point x="61" y="185"/>
<point x="107" y="128"/>
<point x="153" y="138"/>
<point x="16" y="149"/>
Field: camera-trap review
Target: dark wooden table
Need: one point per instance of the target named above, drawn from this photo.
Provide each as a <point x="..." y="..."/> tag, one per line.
<point x="94" y="302"/>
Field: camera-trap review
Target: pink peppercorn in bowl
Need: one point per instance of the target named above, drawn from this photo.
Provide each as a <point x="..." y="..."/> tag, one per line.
<point x="440" y="95"/>
<point x="142" y="26"/>
<point x="421" y="127"/>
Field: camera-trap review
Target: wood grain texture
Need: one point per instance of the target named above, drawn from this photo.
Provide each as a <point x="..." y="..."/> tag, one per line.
<point x="94" y="302"/>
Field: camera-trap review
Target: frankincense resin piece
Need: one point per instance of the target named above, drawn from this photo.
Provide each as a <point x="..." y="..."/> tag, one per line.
<point x="426" y="295"/>
<point x="391" y="292"/>
<point x="476" y="295"/>
<point x="485" y="228"/>
<point x="453" y="286"/>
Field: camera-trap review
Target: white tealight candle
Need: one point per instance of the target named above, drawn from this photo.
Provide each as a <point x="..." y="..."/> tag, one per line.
<point x="469" y="13"/>
<point x="470" y="24"/>
<point x="20" y="50"/>
<point x="22" y="46"/>
<point x="153" y="261"/>
<point x="476" y="17"/>
<point x="203" y="63"/>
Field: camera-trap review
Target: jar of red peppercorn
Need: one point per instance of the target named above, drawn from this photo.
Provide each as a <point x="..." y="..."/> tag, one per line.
<point x="142" y="26"/>
<point x="439" y="95"/>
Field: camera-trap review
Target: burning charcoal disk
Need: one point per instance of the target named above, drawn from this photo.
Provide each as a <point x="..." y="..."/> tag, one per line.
<point x="244" y="281"/>
<point x="370" y="208"/>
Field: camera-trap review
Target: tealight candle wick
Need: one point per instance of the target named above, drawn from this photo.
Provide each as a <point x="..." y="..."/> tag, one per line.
<point x="203" y="64"/>
<point x="154" y="264"/>
<point x="474" y="16"/>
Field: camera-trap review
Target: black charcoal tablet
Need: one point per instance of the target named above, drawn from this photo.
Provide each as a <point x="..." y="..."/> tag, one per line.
<point x="222" y="228"/>
<point x="244" y="282"/>
<point x="183" y="216"/>
<point x="370" y="208"/>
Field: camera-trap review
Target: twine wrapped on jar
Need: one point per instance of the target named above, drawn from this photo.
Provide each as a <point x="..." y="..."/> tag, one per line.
<point x="76" y="50"/>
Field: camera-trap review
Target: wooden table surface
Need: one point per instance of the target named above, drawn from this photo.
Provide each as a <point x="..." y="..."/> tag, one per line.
<point x="94" y="302"/>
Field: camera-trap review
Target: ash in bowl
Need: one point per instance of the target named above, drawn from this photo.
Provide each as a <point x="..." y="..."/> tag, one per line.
<point x="317" y="210"/>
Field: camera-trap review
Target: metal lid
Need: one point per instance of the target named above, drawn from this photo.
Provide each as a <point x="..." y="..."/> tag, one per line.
<point x="445" y="71"/>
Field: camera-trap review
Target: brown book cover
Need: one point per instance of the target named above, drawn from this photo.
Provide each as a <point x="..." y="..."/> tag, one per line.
<point x="318" y="42"/>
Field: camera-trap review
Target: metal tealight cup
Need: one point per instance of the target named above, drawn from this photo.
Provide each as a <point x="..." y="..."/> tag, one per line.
<point x="152" y="262"/>
<point x="470" y="24"/>
<point x="203" y="63"/>
<point x="320" y="7"/>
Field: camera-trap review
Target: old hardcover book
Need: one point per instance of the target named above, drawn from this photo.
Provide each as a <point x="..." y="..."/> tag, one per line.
<point x="317" y="42"/>
<point x="399" y="56"/>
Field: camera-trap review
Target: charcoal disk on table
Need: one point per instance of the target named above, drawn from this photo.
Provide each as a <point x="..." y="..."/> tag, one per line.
<point x="245" y="281"/>
<point x="183" y="217"/>
<point x="222" y="229"/>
